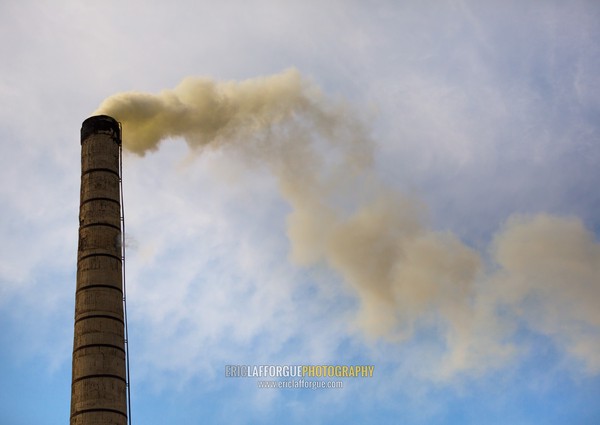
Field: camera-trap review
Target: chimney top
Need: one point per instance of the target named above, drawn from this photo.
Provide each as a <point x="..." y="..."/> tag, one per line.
<point x="103" y="124"/>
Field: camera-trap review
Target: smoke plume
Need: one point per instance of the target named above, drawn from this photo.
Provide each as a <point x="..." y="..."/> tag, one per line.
<point x="545" y="270"/>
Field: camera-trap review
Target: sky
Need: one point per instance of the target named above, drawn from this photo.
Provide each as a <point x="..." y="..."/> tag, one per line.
<point x="405" y="184"/>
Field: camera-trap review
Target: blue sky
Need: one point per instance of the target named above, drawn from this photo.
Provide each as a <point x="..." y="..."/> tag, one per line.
<point x="482" y="119"/>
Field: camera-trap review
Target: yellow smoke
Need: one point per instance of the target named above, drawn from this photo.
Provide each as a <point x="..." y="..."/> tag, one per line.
<point x="405" y="275"/>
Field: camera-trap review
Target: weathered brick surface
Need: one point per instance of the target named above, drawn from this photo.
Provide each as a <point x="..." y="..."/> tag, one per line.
<point x="98" y="302"/>
<point x="98" y="360"/>
<point x="99" y="331"/>
<point x="98" y="418"/>
<point x="99" y="270"/>
<point x="99" y="240"/>
<point x="99" y="393"/>
<point x="100" y="183"/>
<point x="96" y="154"/>
<point x="100" y="211"/>
<point x="98" y="381"/>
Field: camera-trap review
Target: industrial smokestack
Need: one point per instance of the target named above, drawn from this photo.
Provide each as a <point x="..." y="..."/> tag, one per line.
<point x="99" y="385"/>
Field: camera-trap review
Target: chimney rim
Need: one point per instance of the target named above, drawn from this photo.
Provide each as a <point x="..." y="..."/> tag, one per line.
<point x="101" y="124"/>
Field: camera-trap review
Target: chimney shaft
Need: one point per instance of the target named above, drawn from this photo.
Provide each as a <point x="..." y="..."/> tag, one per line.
<point x="98" y="389"/>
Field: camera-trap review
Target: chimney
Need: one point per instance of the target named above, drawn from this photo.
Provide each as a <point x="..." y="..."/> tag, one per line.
<point x="99" y="384"/>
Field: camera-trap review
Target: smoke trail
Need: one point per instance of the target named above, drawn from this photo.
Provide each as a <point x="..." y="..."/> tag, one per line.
<point x="404" y="274"/>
